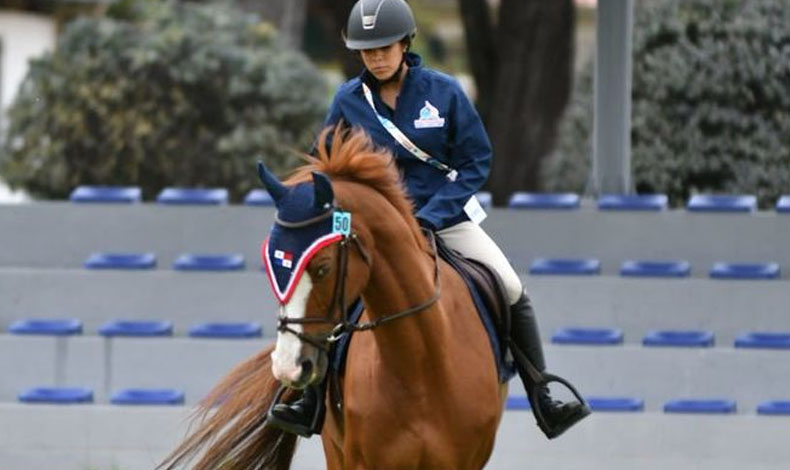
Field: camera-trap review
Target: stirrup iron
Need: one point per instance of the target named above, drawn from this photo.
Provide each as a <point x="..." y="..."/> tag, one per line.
<point x="294" y="428"/>
<point x="539" y="380"/>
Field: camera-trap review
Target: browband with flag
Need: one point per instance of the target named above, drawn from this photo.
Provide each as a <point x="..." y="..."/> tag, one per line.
<point x="303" y="225"/>
<point x="283" y="275"/>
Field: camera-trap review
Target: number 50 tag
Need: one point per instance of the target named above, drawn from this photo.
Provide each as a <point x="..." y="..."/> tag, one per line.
<point x="341" y="223"/>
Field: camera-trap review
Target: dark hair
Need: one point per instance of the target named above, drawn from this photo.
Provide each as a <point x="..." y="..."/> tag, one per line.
<point x="406" y="41"/>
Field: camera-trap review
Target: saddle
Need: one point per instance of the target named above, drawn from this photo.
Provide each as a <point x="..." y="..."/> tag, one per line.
<point x="489" y="295"/>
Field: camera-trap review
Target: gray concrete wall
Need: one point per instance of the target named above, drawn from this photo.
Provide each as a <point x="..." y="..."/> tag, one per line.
<point x="656" y="375"/>
<point x="39" y="240"/>
<point x="64" y="234"/>
<point x="185" y="298"/>
<point x="191" y="365"/>
<point x="95" y="436"/>
<point x="727" y="308"/>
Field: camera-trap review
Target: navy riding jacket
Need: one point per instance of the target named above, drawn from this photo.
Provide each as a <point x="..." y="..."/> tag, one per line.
<point x="435" y="114"/>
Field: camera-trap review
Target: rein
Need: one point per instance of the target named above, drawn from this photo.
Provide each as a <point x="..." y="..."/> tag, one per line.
<point x="325" y="341"/>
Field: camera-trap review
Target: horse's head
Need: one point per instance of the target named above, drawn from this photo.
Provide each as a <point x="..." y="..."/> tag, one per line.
<point x="316" y="266"/>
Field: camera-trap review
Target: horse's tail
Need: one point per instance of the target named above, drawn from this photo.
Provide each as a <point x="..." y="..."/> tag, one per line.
<point x="235" y="436"/>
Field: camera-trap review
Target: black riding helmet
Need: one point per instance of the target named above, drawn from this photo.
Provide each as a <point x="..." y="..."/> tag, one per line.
<point x="379" y="23"/>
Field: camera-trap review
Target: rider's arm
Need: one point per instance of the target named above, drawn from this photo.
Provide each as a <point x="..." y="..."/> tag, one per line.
<point x="470" y="154"/>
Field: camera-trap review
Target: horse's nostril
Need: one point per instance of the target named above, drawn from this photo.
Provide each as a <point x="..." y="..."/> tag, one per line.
<point x="307" y="369"/>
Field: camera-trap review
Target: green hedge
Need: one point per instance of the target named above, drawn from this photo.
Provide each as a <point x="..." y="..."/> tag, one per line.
<point x="711" y="102"/>
<point x="185" y="94"/>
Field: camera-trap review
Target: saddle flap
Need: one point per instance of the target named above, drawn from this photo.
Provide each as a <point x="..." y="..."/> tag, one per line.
<point x="489" y="288"/>
<point x="492" y="291"/>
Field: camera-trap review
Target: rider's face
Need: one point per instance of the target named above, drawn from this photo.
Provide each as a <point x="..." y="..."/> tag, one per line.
<point x="382" y="62"/>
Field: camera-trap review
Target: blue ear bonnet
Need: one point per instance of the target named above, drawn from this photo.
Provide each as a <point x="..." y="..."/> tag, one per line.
<point x="299" y="204"/>
<point x="302" y="227"/>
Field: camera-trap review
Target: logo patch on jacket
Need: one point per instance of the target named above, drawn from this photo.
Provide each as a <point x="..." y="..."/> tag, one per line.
<point x="429" y="117"/>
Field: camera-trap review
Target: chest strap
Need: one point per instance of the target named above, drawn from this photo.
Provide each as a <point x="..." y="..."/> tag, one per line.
<point x="404" y="141"/>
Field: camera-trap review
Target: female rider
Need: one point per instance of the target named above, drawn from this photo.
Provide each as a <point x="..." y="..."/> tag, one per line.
<point x="451" y="163"/>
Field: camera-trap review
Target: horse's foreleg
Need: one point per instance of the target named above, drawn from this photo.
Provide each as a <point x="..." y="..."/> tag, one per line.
<point x="333" y="454"/>
<point x="332" y="439"/>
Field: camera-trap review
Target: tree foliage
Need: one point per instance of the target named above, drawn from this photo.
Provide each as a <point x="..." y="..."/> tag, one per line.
<point x="711" y="102"/>
<point x="185" y="94"/>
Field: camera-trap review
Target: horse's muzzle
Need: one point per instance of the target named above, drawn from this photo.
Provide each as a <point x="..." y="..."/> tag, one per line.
<point x="308" y="372"/>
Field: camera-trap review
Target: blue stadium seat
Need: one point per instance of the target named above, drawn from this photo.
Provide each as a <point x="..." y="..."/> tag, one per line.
<point x="136" y="328"/>
<point x="596" y="403"/>
<point x="121" y="261"/>
<point x="690" y="338"/>
<point x="143" y="396"/>
<point x="565" y="266"/>
<point x="593" y="336"/>
<point x="226" y="330"/>
<point x="763" y="340"/>
<point x="62" y="327"/>
<point x="700" y="406"/>
<point x="633" y="268"/>
<point x="193" y="196"/>
<point x="615" y="404"/>
<point x="107" y="194"/>
<point x="517" y="403"/>
<point x="783" y="204"/>
<point x="59" y="395"/>
<point x="722" y="203"/>
<point x="212" y="262"/>
<point x="745" y="271"/>
<point x="775" y="407"/>
<point x="633" y="202"/>
<point x="485" y="199"/>
<point x="522" y="200"/>
<point x="258" y="197"/>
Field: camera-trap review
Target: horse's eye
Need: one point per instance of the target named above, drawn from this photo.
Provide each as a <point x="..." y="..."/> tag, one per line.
<point x="322" y="272"/>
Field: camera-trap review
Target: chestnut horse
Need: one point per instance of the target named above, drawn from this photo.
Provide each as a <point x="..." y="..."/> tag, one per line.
<point x="418" y="392"/>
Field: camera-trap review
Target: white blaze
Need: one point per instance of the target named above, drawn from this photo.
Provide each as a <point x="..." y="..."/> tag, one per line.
<point x="286" y="365"/>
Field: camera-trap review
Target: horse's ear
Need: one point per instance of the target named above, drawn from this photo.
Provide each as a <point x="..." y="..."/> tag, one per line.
<point x="324" y="195"/>
<point x="276" y="189"/>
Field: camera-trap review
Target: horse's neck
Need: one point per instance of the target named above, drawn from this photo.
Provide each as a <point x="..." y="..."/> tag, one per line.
<point x="402" y="274"/>
<point x="403" y="277"/>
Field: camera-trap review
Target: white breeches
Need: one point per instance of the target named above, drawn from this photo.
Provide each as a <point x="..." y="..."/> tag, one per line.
<point x="473" y="242"/>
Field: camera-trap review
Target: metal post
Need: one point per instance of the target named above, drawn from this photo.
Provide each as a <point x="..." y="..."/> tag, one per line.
<point x="612" y="127"/>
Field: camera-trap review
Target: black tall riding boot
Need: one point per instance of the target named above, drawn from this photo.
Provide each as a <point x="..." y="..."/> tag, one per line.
<point x="554" y="417"/>
<point x="305" y="416"/>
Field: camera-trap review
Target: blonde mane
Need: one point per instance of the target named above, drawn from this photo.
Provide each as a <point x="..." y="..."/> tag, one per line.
<point x="353" y="157"/>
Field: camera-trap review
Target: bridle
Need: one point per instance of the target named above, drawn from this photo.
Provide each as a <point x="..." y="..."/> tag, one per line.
<point x="324" y="341"/>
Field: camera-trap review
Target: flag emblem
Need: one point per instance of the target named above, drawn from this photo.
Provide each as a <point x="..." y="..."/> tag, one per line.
<point x="285" y="258"/>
